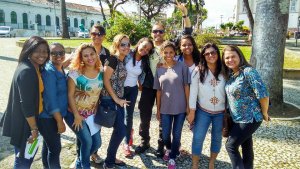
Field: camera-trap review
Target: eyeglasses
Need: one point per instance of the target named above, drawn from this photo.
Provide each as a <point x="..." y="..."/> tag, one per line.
<point x="125" y="44"/>
<point x="210" y="53"/>
<point x="158" y="31"/>
<point x="97" y="33"/>
<point x="58" y="53"/>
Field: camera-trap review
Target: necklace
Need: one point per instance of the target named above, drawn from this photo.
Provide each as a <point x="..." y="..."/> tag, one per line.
<point x="170" y="66"/>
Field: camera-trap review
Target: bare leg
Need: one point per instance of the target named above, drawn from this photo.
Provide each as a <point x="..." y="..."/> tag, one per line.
<point x="195" y="161"/>
<point x="212" y="160"/>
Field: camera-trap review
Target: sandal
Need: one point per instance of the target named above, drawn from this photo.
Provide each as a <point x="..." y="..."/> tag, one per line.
<point x="120" y="162"/>
<point x="96" y="158"/>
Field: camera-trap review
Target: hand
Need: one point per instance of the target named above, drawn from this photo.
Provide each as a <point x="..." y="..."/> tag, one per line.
<point x="122" y="102"/>
<point x="190" y="118"/>
<point x="267" y="117"/>
<point x="158" y="115"/>
<point x="159" y="65"/>
<point x="181" y="7"/>
<point x="61" y="127"/>
<point x="140" y="87"/>
<point x="33" y="136"/>
<point x="77" y="122"/>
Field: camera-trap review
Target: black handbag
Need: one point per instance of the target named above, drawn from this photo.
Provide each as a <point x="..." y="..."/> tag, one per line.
<point x="105" y="116"/>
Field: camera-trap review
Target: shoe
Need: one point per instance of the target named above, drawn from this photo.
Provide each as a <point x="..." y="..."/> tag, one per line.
<point x="171" y="164"/>
<point x="131" y="138"/>
<point x="127" y="151"/>
<point x="120" y="163"/>
<point x="159" y="153"/>
<point x="167" y="155"/>
<point x="96" y="159"/>
<point x="107" y="167"/>
<point x="142" y="148"/>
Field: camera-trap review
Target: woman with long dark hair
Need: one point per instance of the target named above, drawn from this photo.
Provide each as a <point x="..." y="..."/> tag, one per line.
<point x="25" y="101"/>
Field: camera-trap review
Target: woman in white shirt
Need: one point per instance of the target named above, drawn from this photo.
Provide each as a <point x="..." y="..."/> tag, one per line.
<point x="207" y="93"/>
<point x="133" y="63"/>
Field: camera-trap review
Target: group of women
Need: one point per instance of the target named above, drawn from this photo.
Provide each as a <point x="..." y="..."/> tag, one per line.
<point x="192" y="85"/>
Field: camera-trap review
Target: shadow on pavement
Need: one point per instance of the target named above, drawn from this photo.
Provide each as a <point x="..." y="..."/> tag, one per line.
<point x="8" y="58"/>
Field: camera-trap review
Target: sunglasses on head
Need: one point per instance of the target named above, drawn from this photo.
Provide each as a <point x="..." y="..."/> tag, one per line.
<point x="97" y="33"/>
<point x="158" y="31"/>
<point x="210" y="53"/>
<point x="126" y="44"/>
<point x="58" y="53"/>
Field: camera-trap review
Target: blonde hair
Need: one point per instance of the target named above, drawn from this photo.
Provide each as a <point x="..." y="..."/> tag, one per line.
<point x="116" y="42"/>
<point x="76" y="63"/>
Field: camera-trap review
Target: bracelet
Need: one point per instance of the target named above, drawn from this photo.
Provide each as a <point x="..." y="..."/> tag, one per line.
<point x="184" y="16"/>
<point x="36" y="129"/>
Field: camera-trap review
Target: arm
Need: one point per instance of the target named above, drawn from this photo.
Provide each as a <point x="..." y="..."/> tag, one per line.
<point x="187" y="94"/>
<point x="72" y="104"/>
<point x="194" y="88"/>
<point x="184" y="11"/>
<point x="158" y="104"/>
<point x="264" y="104"/>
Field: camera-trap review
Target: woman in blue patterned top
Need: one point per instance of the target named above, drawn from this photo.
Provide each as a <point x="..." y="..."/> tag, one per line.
<point x="248" y="101"/>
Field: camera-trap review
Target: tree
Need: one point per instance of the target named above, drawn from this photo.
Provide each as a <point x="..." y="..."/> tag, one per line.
<point x="65" y="31"/>
<point x="249" y="14"/>
<point x="102" y="12"/>
<point x="229" y="25"/>
<point x="112" y="5"/>
<point x="268" y="46"/>
<point x="238" y="26"/>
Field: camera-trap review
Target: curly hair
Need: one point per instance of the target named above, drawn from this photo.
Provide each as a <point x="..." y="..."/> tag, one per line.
<point x="76" y="62"/>
<point x="116" y="42"/>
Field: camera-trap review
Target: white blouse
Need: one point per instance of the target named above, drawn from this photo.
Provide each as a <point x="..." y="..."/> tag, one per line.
<point x="210" y="95"/>
<point x="133" y="73"/>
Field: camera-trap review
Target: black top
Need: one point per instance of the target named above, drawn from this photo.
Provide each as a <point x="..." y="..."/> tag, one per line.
<point x="104" y="55"/>
<point x="23" y="102"/>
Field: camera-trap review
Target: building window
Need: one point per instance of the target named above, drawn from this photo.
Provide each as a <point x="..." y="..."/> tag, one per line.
<point x="92" y="23"/>
<point x="75" y="22"/>
<point x="68" y="21"/>
<point x="98" y="22"/>
<point x="82" y="22"/>
<point x="38" y="19"/>
<point x="48" y="20"/>
<point x="25" y="21"/>
<point x="2" y="16"/>
<point x="293" y="5"/>
<point x="13" y="16"/>
<point x="57" y="21"/>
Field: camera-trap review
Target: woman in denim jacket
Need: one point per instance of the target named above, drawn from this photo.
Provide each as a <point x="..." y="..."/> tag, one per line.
<point x="55" y="97"/>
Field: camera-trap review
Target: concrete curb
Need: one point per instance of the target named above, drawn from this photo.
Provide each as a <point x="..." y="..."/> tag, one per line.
<point x="289" y="119"/>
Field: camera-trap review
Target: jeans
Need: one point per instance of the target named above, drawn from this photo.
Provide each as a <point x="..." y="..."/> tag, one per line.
<point x="89" y="144"/>
<point x="145" y="106"/>
<point x="21" y="162"/>
<point x="241" y="135"/>
<point x="202" y="121"/>
<point x="51" y="144"/>
<point x="174" y="123"/>
<point x="119" y="130"/>
<point x="130" y="94"/>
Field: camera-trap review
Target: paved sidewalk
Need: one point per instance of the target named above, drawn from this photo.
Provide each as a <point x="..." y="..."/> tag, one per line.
<point x="275" y="146"/>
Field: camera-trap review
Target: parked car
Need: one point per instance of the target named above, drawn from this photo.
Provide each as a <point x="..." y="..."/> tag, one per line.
<point x="6" y="31"/>
<point x="241" y="34"/>
<point x="83" y="34"/>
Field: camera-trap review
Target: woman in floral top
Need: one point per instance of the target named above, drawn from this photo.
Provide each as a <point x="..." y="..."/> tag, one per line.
<point x="248" y="101"/>
<point x="112" y="96"/>
<point x="84" y="86"/>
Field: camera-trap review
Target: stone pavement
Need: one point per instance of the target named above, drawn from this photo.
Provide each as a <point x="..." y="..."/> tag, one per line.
<point x="275" y="145"/>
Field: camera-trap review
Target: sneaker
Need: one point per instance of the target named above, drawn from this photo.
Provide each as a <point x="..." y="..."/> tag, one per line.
<point x="142" y="148"/>
<point x="127" y="152"/>
<point x="167" y="155"/>
<point x="96" y="158"/>
<point x="171" y="164"/>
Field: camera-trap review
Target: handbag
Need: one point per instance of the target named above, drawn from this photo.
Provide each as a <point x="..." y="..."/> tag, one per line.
<point x="106" y="116"/>
<point x="227" y="124"/>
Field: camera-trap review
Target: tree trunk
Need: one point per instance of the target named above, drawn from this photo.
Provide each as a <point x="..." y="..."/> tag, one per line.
<point x="65" y="31"/>
<point x="103" y="14"/>
<point x="249" y="14"/>
<point x="268" y="47"/>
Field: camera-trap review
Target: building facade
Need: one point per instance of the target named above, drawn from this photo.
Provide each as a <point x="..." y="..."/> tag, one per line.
<point x="294" y="13"/>
<point x="43" y="17"/>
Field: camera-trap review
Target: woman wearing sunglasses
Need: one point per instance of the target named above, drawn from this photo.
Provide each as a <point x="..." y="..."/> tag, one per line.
<point x="55" y="97"/>
<point x="134" y="62"/>
<point x="112" y="96"/>
<point x="207" y="103"/>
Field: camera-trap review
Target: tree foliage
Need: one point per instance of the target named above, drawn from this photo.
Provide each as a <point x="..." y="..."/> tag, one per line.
<point x="112" y="5"/>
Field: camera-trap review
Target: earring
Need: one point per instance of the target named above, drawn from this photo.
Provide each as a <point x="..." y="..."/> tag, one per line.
<point x="81" y="63"/>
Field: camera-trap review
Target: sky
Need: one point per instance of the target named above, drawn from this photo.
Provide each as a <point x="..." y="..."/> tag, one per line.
<point x="215" y="8"/>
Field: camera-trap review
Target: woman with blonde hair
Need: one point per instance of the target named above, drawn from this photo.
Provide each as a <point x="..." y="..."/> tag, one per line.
<point x="112" y="95"/>
<point x="84" y="86"/>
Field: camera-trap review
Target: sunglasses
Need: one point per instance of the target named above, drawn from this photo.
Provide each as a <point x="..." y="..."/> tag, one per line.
<point x="158" y="31"/>
<point x="210" y="53"/>
<point x="126" y="44"/>
<point x="58" y="53"/>
<point x="97" y="33"/>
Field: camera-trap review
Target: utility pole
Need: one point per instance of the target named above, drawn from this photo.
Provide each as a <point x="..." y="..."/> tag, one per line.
<point x="221" y="18"/>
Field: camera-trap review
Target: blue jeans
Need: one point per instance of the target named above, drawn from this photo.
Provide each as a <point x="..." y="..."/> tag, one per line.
<point x="119" y="130"/>
<point x="89" y="144"/>
<point x="21" y="162"/>
<point x="241" y="135"/>
<point x="51" y="144"/>
<point x="202" y="121"/>
<point x="174" y="123"/>
<point x="130" y="94"/>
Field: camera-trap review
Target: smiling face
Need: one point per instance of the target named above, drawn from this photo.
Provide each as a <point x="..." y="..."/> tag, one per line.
<point x="232" y="60"/>
<point x="96" y="38"/>
<point x="211" y="55"/>
<point x="144" y="48"/>
<point x="186" y="46"/>
<point x="124" y="47"/>
<point x="168" y="54"/>
<point x="158" y="33"/>
<point x="89" y="57"/>
<point x="57" y="55"/>
<point x="39" y="55"/>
